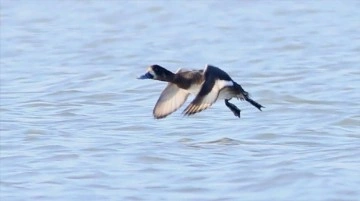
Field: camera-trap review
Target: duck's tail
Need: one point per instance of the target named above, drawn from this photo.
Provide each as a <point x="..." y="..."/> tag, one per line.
<point x="252" y="102"/>
<point x="246" y="96"/>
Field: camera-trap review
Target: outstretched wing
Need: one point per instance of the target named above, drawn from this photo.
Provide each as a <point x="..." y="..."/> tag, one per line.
<point x="170" y="100"/>
<point x="209" y="91"/>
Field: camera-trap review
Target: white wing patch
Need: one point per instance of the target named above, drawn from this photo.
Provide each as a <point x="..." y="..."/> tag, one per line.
<point x="223" y="83"/>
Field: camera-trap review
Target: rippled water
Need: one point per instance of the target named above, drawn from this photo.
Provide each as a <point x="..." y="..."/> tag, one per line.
<point x="76" y="124"/>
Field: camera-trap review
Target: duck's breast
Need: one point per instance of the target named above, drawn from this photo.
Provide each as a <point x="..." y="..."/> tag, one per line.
<point x="194" y="88"/>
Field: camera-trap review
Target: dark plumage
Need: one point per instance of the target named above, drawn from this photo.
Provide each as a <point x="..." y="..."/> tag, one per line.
<point x="209" y="85"/>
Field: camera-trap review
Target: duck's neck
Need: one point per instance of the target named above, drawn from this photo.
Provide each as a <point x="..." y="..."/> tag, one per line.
<point x="167" y="76"/>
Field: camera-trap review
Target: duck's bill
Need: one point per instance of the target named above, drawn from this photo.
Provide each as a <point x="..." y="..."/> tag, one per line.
<point x="146" y="76"/>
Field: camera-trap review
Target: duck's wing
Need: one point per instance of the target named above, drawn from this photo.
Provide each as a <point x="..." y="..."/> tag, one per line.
<point x="170" y="100"/>
<point x="209" y="91"/>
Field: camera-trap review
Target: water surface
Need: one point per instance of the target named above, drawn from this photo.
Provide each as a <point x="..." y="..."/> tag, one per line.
<point x="76" y="124"/>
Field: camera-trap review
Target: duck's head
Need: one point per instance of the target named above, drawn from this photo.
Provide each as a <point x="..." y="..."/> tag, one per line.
<point x="156" y="72"/>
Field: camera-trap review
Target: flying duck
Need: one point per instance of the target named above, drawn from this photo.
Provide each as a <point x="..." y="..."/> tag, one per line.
<point x="208" y="85"/>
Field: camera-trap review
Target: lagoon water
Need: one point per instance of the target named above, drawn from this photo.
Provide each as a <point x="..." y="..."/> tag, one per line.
<point x="76" y="124"/>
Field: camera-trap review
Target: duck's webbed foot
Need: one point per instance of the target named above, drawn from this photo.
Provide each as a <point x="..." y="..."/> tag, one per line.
<point x="233" y="108"/>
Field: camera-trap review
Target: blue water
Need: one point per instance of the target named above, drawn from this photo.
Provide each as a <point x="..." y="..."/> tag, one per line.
<point x="76" y="124"/>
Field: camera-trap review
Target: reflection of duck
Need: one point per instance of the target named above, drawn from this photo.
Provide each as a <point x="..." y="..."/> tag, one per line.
<point x="209" y="85"/>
